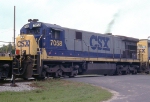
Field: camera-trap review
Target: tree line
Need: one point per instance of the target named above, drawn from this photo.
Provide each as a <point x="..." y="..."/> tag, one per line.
<point x="6" y="48"/>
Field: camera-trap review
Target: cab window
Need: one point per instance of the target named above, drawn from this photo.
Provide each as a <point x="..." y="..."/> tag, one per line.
<point x="33" y="31"/>
<point x="55" y="34"/>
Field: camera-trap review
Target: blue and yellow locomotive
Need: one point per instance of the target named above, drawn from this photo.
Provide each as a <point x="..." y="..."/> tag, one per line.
<point x="49" y="50"/>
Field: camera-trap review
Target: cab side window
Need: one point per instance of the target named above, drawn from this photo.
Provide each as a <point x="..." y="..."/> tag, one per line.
<point x="55" y="34"/>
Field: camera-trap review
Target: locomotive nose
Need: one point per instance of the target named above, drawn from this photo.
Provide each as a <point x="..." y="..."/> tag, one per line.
<point x="26" y="44"/>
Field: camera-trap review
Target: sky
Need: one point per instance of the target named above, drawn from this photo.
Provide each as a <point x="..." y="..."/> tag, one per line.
<point x="120" y="17"/>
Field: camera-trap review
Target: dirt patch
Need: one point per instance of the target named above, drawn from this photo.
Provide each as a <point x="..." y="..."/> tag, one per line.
<point x="114" y="97"/>
<point x="115" y="94"/>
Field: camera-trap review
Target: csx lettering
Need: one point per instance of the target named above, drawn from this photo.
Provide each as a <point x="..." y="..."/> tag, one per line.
<point x="56" y="43"/>
<point x="24" y="43"/>
<point x="99" y="42"/>
<point x="142" y="50"/>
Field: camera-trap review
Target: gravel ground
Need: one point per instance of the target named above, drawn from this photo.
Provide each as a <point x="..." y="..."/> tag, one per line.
<point x="20" y="86"/>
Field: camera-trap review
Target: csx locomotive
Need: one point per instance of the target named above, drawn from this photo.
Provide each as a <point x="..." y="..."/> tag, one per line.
<point x="49" y="50"/>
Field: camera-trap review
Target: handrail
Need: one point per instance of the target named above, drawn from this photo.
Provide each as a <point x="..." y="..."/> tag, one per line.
<point x="39" y="41"/>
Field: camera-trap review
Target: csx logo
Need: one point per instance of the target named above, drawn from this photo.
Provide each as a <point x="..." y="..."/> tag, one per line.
<point x="99" y="42"/>
<point x="23" y="43"/>
<point x="56" y="43"/>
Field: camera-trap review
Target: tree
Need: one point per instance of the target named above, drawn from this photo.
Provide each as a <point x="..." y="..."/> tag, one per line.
<point x="6" y="48"/>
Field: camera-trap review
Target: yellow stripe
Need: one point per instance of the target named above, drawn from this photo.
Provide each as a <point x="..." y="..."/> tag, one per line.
<point x="90" y="59"/>
<point x="6" y="58"/>
<point x="61" y="58"/>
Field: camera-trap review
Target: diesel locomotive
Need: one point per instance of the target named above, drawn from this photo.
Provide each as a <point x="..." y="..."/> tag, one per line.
<point x="49" y="50"/>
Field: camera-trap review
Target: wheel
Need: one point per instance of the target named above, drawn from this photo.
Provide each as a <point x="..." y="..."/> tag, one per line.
<point x="128" y="71"/>
<point x="118" y="71"/>
<point x="58" y="73"/>
<point x="135" y="72"/>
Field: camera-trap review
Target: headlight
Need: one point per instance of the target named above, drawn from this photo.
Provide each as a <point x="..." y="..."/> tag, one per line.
<point x="26" y="26"/>
<point x="22" y="37"/>
<point x="37" y="25"/>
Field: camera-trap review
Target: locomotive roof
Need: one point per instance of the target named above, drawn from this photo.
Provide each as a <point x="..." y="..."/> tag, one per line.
<point x="60" y="27"/>
<point x="52" y="25"/>
<point x="124" y="38"/>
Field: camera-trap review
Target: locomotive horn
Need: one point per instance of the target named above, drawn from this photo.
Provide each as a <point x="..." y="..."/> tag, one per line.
<point x="29" y="20"/>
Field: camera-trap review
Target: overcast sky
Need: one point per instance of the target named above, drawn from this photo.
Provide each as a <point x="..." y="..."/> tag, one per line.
<point x="123" y="17"/>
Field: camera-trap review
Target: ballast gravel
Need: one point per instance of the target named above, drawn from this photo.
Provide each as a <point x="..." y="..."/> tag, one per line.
<point x="20" y="86"/>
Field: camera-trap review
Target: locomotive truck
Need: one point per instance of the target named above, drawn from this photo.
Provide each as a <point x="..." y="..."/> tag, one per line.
<point x="49" y="50"/>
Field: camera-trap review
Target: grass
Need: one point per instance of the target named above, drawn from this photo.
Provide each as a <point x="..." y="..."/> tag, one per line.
<point x="57" y="90"/>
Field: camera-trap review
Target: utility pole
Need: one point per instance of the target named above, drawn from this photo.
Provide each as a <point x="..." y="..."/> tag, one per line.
<point x="14" y="28"/>
<point x="13" y="74"/>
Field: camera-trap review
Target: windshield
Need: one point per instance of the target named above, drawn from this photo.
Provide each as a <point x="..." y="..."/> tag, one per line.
<point x="31" y="31"/>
